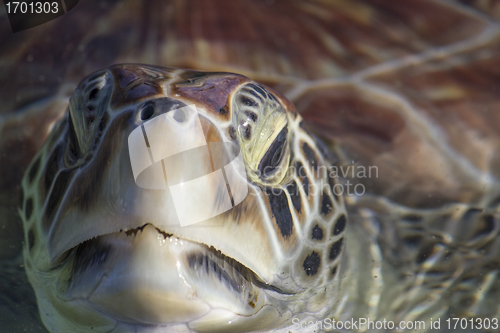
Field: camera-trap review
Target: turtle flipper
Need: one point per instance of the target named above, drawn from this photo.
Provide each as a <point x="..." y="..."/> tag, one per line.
<point x="447" y="258"/>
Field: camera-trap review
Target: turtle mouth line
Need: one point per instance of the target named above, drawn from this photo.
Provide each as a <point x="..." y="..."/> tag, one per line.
<point x="228" y="270"/>
<point x="213" y="260"/>
<point x="133" y="232"/>
<point x="205" y="261"/>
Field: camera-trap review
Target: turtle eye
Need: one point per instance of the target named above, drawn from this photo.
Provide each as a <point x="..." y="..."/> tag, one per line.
<point x="147" y="112"/>
<point x="274" y="155"/>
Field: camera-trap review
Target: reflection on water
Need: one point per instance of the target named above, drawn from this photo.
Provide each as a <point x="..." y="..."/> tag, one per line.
<point x="430" y="128"/>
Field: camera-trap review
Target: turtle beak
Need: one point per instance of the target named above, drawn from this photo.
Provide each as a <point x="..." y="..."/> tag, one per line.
<point x="191" y="193"/>
<point x="172" y="171"/>
<point x="147" y="277"/>
<point x="121" y="259"/>
<point x="164" y="295"/>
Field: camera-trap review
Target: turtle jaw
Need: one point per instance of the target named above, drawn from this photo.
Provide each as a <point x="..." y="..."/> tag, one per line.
<point x="147" y="277"/>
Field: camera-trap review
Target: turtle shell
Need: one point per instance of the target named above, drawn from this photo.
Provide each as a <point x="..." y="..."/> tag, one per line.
<point x="410" y="87"/>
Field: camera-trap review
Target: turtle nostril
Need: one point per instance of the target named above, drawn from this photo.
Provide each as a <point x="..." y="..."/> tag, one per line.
<point x="179" y="115"/>
<point x="93" y="93"/>
<point x="90" y="108"/>
<point x="147" y="112"/>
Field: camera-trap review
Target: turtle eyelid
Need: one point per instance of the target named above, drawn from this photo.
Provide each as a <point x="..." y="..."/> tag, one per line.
<point x="270" y="162"/>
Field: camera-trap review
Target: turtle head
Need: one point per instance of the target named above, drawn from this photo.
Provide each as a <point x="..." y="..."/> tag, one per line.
<point x="179" y="198"/>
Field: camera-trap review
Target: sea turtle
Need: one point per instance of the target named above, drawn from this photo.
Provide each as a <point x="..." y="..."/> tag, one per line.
<point x="408" y="88"/>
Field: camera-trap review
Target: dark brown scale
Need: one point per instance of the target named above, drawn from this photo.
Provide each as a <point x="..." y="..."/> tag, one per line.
<point x="299" y="169"/>
<point x="317" y="233"/>
<point x="335" y="249"/>
<point x="312" y="263"/>
<point x="293" y="191"/>
<point x="281" y="211"/>
<point x="259" y="91"/>
<point x="340" y="225"/>
<point x="253" y="93"/>
<point x="310" y="156"/>
<point x="305" y="185"/>
<point x="326" y="204"/>
<point x="301" y="172"/>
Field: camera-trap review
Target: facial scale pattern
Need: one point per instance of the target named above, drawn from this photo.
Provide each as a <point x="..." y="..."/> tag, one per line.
<point x="274" y="256"/>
